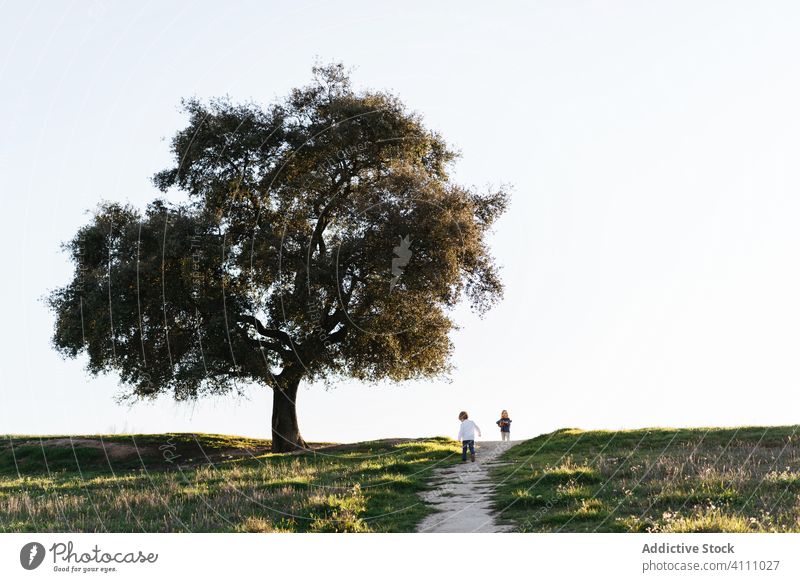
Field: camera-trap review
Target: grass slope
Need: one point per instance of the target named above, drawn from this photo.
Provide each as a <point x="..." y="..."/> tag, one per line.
<point x="653" y="480"/>
<point x="212" y="483"/>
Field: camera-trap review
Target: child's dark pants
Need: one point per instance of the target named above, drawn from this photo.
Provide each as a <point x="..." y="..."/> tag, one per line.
<point x="464" y="446"/>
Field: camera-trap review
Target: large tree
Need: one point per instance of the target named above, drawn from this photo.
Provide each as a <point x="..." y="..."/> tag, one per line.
<point x="316" y="239"/>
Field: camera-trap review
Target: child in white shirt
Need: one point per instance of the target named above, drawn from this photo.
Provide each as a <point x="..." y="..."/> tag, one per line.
<point x="466" y="434"/>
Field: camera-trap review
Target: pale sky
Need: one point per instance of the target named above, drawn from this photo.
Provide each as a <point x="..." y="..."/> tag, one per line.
<point x="651" y="253"/>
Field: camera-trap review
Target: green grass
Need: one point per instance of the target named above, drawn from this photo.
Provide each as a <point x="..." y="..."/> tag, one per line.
<point x="653" y="480"/>
<point x="212" y="483"/>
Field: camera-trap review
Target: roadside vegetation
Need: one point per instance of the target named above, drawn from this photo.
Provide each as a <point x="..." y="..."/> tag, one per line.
<point x="743" y="479"/>
<point x="212" y="483"/>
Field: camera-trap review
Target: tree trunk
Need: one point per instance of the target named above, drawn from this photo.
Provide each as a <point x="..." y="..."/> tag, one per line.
<point x="285" y="431"/>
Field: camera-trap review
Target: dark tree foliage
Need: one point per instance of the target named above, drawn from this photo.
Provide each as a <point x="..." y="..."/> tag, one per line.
<point x="319" y="238"/>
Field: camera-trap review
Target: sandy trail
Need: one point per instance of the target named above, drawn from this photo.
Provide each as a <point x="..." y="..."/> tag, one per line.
<point x="462" y="496"/>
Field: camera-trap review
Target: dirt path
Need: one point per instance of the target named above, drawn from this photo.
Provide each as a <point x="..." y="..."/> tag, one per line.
<point x="462" y="496"/>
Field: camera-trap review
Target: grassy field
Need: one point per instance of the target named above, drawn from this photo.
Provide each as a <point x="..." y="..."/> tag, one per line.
<point x="654" y="480"/>
<point x="212" y="483"/>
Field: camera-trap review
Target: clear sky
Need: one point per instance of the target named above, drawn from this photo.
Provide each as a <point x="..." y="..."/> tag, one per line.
<point x="650" y="252"/>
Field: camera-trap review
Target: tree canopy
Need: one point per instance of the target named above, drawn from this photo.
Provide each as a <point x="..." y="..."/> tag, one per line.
<point x="320" y="237"/>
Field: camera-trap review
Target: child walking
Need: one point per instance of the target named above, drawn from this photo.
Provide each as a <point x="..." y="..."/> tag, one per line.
<point x="466" y="434"/>
<point x="505" y="426"/>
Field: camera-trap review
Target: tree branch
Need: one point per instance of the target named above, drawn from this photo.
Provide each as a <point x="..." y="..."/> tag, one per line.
<point x="262" y="330"/>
